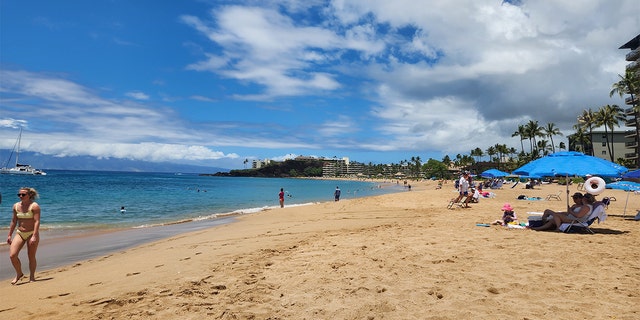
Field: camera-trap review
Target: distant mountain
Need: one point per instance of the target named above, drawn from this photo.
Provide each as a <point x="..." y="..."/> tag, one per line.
<point x="92" y="163"/>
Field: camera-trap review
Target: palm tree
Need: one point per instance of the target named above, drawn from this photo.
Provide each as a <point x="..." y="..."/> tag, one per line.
<point x="501" y="150"/>
<point x="522" y="133"/>
<point x="610" y="116"/>
<point x="477" y="152"/>
<point x="562" y="146"/>
<point x="491" y="151"/>
<point x="418" y="164"/>
<point x="630" y="84"/>
<point x="551" y="130"/>
<point x="586" y="120"/>
<point x="533" y="130"/>
<point x="580" y="139"/>
<point x="447" y="161"/>
<point x="543" y="146"/>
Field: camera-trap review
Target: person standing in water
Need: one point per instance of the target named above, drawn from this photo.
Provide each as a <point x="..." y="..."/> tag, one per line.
<point x="26" y="223"/>
<point x="281" y="196"/>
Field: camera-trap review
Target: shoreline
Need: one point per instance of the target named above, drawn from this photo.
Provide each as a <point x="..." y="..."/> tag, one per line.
<point x="60" y="247"/>
<point x="394" y="256"/>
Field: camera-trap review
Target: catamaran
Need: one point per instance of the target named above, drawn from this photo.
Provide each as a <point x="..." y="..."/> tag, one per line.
<point x="20" y="168"/>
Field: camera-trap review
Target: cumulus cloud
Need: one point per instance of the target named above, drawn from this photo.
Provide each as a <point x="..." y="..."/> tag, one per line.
<point x="88" y="124"/>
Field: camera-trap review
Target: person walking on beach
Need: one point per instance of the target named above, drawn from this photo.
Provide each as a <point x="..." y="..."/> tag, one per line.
<point x="336" y="194"/>
<point x="463" y="189"/>
<point x="281" y="196"/>
<point x="26" y="223"/>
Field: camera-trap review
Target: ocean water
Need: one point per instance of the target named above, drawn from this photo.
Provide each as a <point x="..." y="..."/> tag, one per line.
<point x="78" y="201"/>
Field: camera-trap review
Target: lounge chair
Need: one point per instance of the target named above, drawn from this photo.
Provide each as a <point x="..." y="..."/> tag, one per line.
<point x="577" y="225"/>
<point x="554" y="196"/>
<point x="460" y="203"/>
<point x="497" y="184"/>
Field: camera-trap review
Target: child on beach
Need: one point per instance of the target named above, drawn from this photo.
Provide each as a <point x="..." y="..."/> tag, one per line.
<point x="508" y="215"/>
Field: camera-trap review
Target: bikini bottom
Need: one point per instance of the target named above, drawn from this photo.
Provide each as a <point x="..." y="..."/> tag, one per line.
<point x="24" y="234"/>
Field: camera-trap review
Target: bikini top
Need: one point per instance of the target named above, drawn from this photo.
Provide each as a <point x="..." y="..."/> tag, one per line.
<point x="23" y="215"/>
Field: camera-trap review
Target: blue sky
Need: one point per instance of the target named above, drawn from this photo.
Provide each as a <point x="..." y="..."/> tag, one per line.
<point x="216" y="82"/>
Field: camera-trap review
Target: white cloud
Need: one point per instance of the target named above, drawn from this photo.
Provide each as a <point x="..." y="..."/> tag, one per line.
<point x="138" y="95"/>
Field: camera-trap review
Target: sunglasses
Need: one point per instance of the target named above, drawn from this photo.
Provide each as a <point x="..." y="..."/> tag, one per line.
<point x="21" y="195"/>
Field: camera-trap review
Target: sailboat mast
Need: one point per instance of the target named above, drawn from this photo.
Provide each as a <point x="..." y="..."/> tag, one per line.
<point x="18" y="149"/>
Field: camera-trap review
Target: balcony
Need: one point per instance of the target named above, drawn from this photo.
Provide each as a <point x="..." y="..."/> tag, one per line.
<point x="633" y="65"/>
<point x="632" y="155"/>
<point x="629" y="112"/>
<point x="633" y="55"/>
<point x="629" y="101"/>
<point x="630" y="134"/>
<point x="630" y="123"/>
<point x="631" y="144"/>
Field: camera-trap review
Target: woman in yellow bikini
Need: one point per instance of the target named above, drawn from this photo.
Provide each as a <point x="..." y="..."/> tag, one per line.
<point x="26" y="222"/>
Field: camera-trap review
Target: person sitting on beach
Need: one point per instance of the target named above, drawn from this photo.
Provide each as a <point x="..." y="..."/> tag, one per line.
<point x="508" y="215"/>
<point x="574" y="208"/>
<point x="579" y="211"/>
<point x="474" y="196"/>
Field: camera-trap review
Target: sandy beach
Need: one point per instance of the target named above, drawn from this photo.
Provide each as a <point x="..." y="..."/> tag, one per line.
<point x="397" y="256"/>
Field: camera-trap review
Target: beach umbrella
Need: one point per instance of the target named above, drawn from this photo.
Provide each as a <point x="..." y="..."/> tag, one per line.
<point x="570" y="163"/>
<point x="632" y="174"/>
<point x="493" y="173"/>
<point x="628" y="186"/>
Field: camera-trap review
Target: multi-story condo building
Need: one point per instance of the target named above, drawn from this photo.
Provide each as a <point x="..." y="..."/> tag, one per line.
<point x="633" y="101"/>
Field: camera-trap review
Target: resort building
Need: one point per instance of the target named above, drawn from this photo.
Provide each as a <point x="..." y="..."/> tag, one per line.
<point x="618" y="146"/>
<point x="341" y="167"/>
<point x="600" y="149"/>
<point x="257" y="164"/>
<point x="633" y="103"/>
<point x="334" y="167"/>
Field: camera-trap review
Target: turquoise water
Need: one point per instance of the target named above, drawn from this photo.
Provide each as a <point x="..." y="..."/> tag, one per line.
<point x="90" y="200"/>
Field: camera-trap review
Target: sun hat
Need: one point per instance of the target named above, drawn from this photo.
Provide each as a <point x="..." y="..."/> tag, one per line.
<point x="507" y="207"/>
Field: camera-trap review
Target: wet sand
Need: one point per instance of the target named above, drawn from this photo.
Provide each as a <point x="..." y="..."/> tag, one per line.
<point x="397" y="256"/>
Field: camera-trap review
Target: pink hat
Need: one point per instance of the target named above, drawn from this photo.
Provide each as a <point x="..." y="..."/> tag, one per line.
<point x="507" y="207"/>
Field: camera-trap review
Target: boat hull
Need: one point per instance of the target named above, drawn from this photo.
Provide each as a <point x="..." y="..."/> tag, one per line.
<point x="29" y="171"/>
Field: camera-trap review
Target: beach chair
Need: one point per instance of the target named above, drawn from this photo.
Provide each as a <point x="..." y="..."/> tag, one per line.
<point x="554" y="196"/>
<point x="460" y="204"/>
<point x="453" y="203"/>
<point x="598" y="213"/>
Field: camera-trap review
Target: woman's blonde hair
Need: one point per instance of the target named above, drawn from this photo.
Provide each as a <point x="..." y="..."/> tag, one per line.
<point x="33" y="193"/>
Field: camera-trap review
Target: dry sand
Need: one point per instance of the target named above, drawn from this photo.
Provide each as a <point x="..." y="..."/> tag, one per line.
<point x="399" y="256"/>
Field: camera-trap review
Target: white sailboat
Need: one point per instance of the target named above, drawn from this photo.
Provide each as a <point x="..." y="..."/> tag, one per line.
<point x="20" y="168"/>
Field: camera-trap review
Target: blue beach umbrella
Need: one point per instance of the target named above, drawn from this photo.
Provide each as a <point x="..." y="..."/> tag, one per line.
<point x="624" y="185"/>
<point x="632" y="174"/>
<point x="493" y="173"/>
<point x="570" y="163"/>
<point x="628" y="186"/>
